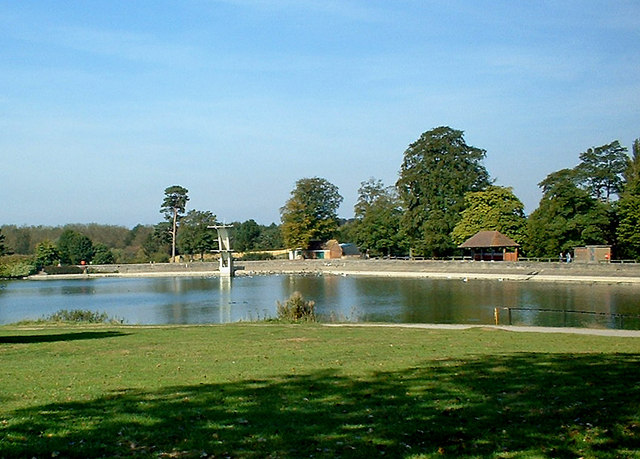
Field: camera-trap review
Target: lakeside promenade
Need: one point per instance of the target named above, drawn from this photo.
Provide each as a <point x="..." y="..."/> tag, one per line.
<point x="612" y="273"/>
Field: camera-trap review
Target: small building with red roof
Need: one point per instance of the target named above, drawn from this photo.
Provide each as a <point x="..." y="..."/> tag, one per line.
<point x="491" y="246"/>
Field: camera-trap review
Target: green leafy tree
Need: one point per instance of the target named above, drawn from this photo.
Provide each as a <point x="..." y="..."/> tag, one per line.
<point x="74" y="247"/>
<point x="601" y="168"/>
<point x="628" y="231"/>
<point x="346" y="231"/>
<point x="376" y="228"/>
<point x="133" y="245"/>
<point x="173" y="207"/>
<point x="3" y="249"/>
<point x="271" y="238"/>
<point x="195" y="235"/>
<point x="246" y="235"/>
<point x="46" y="254"/>
<point x="632" y="172"/>
<point x="566" y="217"/>
<point x="369" y="193"/>
<point x="436" y="173"/>
<point x="494" y="209"/>
<point x="103" y="255"/>
<point x="157" y="244"/>
<point x="22" y="241"/>
<point x="133" y="234"/>
<point x="310" y="213"/>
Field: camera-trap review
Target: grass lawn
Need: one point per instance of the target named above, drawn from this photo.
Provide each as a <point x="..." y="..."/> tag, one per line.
<point x="270" y="390"/>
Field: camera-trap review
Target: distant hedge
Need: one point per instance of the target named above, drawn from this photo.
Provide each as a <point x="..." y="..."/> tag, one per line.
<point x="257" y="256"/>
<point x="68" y="269"/>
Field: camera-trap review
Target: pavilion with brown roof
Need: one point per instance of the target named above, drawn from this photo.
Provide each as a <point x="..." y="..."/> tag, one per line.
<point x="491" y="246"/>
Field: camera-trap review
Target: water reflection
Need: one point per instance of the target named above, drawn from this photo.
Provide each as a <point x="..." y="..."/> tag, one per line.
<point x="183" y="300"/>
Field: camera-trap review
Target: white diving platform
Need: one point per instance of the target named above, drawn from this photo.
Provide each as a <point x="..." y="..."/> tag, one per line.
<point x="224" y="246"/>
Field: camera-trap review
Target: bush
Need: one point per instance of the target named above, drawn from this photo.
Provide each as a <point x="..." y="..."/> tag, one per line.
<point x="257" y="256"/>
<point x="80" y="316"/>
<point x="297" y="309"/>
<point x="16" y="266"/>
<point x="159" y="257"/>
<point x="63" y="269"/>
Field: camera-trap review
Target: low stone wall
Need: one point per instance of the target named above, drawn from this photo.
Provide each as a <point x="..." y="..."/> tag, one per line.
<point x="524" y="268"/>
<point x="536" y="269"/>
<point x="142" y="268"/>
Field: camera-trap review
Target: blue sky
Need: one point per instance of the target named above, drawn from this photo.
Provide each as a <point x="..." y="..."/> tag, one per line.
<point x="105" y="104"/>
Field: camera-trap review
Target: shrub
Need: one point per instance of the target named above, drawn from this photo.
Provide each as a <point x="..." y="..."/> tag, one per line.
<point x="16" y="266"/>
<point x="159" y="257"/>
<point x="80" y="316"/>
<point x="297" y="309"/>
<point x="63" y="269"/>
<point x="257" y="256"/>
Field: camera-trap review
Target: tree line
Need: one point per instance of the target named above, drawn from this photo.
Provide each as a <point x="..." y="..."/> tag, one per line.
<point x="104" y="244"/>
<point x="443" y="195"/>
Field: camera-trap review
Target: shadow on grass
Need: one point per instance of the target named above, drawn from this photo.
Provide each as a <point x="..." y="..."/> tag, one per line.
<point x="530" y="404"/>
<point x="53" y="337"/>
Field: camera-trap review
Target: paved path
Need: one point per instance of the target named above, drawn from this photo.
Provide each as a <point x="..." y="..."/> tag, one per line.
<point x="511" y="328"/>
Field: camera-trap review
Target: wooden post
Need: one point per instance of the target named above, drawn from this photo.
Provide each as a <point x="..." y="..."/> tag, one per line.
<point x="496" y="315"/>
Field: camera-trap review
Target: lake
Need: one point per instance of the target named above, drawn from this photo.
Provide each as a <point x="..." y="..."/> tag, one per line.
<point x="197" y="300"/>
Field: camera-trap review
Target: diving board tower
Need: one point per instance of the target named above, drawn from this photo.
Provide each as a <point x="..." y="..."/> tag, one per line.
<point x="224" y="247"/>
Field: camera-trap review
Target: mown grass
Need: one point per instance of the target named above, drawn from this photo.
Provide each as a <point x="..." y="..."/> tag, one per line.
<point x="271" y="390"/>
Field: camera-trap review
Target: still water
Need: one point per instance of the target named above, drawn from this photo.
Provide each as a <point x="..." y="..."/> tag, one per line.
<point x="183" y="300"/>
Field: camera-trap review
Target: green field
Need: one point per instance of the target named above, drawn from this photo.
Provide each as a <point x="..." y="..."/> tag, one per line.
<point x="271" y="390"/>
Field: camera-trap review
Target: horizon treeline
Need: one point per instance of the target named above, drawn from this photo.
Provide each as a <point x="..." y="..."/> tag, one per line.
<point x="443" y="195"/>
<point x="140" y="244"/>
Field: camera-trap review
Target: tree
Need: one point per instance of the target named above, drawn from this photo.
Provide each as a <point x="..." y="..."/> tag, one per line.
<point x="566" y="217"/>
<point x="271" y="237"/>
<point x="103" y="255"/>
<point x="310" y="213"/>
<point x="157" y="244"/>
<point x="2" y="246"/>
<point x="20" y="241"/>
<point x="632" y="172"/>
<point x="46" y="254"/>
<point x="369" y="193"/>
<point x="195" y="235"/>
<point x="628" y="231"/>
<point x="376" y="228"/>
<point x="437" y="170"/>
<point x="173" y="206"/>
<point x="74" y="247"/>
<point x="494" y="209"/>
<point x="246" y="235"/>
<point x="601" y="168"/>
